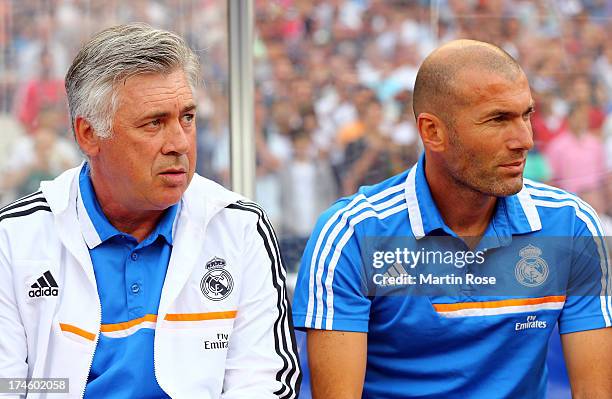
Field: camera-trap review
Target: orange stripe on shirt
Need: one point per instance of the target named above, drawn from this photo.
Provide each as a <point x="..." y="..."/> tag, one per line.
<point x="230" y="314"/>
<point x="77" y="331"/>
<point x="127" y="324"/>
<point x="450" y="307"/>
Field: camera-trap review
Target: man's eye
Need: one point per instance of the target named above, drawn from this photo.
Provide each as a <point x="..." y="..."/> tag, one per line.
<point x="499" y="118"/>
<point x="188" y="117"/>
<point x="154" y="123"/>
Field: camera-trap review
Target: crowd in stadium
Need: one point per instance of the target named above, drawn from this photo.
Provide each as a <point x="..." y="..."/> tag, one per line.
<point x="333" y="90"/>
<point x="334" y="81"/>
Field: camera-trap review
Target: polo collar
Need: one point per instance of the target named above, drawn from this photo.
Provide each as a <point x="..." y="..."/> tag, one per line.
<point x="95" y="226"/>
<point x="515" y="214"/>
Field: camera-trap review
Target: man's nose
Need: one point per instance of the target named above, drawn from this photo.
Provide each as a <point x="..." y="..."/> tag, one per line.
<point x="522" y="135"/>
<point x="177" y="139"/>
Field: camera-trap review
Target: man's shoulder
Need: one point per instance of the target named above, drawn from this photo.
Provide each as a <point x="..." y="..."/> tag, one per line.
<point x="560" y="210"/>
<point x="391" y="186"/>
<point x="26" y="225"/>
<point x="370" y="204"/>
<point x="214" y="198"/>
<point x="557" y="200"/>
<point x="24" y="207"/>
<point x="201" y="185"/>
<point x="29" y="223"/>
<point x="209" y="193"/>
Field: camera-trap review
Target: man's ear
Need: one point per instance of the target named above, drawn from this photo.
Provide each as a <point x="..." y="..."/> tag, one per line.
<point x="86" y="138"/>
<point x="433" y="132"/>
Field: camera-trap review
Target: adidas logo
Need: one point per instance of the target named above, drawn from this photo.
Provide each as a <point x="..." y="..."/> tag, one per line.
<point x="45" y="285"/>
<point x="395" y="275"/>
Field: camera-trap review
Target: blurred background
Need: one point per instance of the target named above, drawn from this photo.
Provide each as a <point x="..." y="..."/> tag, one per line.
<point x="333" y="92"/>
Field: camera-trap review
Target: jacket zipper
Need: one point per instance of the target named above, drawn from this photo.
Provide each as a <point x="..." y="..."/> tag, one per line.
<point x="155" y="355"/>
<point x="95" y="346"/>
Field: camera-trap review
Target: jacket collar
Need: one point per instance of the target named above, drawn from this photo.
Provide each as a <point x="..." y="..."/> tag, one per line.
<point x="201" y="201"/>
<point x="95" y="226"/>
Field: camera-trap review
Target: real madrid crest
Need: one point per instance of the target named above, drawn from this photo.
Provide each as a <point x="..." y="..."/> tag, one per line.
<point x="531" y="270"/>
<point x="217" y="282"/>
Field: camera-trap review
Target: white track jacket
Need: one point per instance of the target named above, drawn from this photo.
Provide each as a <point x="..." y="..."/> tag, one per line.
<point x="233" y="340"/>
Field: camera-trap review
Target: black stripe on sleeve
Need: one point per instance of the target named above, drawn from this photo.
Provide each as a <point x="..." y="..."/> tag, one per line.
<point x="25" y="213"/>
<point x="13" y="206"/>
<point x="288" y="321"/>
<point x="28" y="196"/>
<point x="21" y="201"/>
<point x="283" y="324"/>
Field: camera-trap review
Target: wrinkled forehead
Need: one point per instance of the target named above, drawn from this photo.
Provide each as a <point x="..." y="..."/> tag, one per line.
<point x="478" y="86"/>
<point x="146" y="84"/>
<point x="153" y="95"/>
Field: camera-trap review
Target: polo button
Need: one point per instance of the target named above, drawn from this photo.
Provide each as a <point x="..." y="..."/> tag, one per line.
<point x="135" y="288"/>
<point x="134" y="257"/>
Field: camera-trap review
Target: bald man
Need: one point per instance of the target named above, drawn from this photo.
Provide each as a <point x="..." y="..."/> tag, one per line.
<point x="444" y="281"/>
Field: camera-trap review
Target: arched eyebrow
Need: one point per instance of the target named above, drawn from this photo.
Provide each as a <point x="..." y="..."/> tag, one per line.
<point x="530" y="109"/>
<point x="500" y="112"/>
<point x="189" y="108"/>
<point x="161" y="115"/>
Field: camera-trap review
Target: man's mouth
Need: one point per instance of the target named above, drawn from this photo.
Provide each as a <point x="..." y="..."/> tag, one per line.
<point x="174" y="176"/>
<point x="173" y="171"/>
<point x="515" y="167"/>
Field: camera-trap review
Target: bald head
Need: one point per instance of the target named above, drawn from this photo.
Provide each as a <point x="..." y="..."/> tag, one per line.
<point x="438" y="87"/>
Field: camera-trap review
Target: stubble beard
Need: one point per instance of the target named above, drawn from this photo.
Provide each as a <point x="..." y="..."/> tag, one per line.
<point x="465" y="171"/>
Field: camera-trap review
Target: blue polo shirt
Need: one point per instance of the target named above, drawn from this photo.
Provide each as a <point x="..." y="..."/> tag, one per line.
<point x="129" y="276"/>
<point x="459" y="337"/>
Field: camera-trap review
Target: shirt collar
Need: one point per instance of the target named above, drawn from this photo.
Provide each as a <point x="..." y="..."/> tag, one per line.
<point x="515" y="214"/>
<point x="95" y="226"/>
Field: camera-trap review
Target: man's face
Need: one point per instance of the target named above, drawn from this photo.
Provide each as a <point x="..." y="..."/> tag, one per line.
<point x="150" y="158"/>
<point x="490" y="133"/>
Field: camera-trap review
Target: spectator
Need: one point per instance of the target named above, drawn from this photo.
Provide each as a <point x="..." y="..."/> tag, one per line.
<point x="41" y="156"/>
<point x="576" y="158"/>
<point x="368" y="158"/>
<point x="307" y="188"/>
<point x="39" y="93"/>
<point x="580" y="91"/>
<point x="548" y="120"/>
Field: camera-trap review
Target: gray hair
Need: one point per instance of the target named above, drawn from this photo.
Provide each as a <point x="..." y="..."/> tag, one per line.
<point x="114" y="55"/>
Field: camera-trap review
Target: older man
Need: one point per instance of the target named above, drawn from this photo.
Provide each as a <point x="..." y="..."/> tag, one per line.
<point x="465" y="309"/>
<point x="131" y="275"/>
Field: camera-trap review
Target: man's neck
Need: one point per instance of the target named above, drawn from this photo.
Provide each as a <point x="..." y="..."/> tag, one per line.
<point x="137" y="223"/>
<point x="465" y="211"/>
<point x="138" y="226"/>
